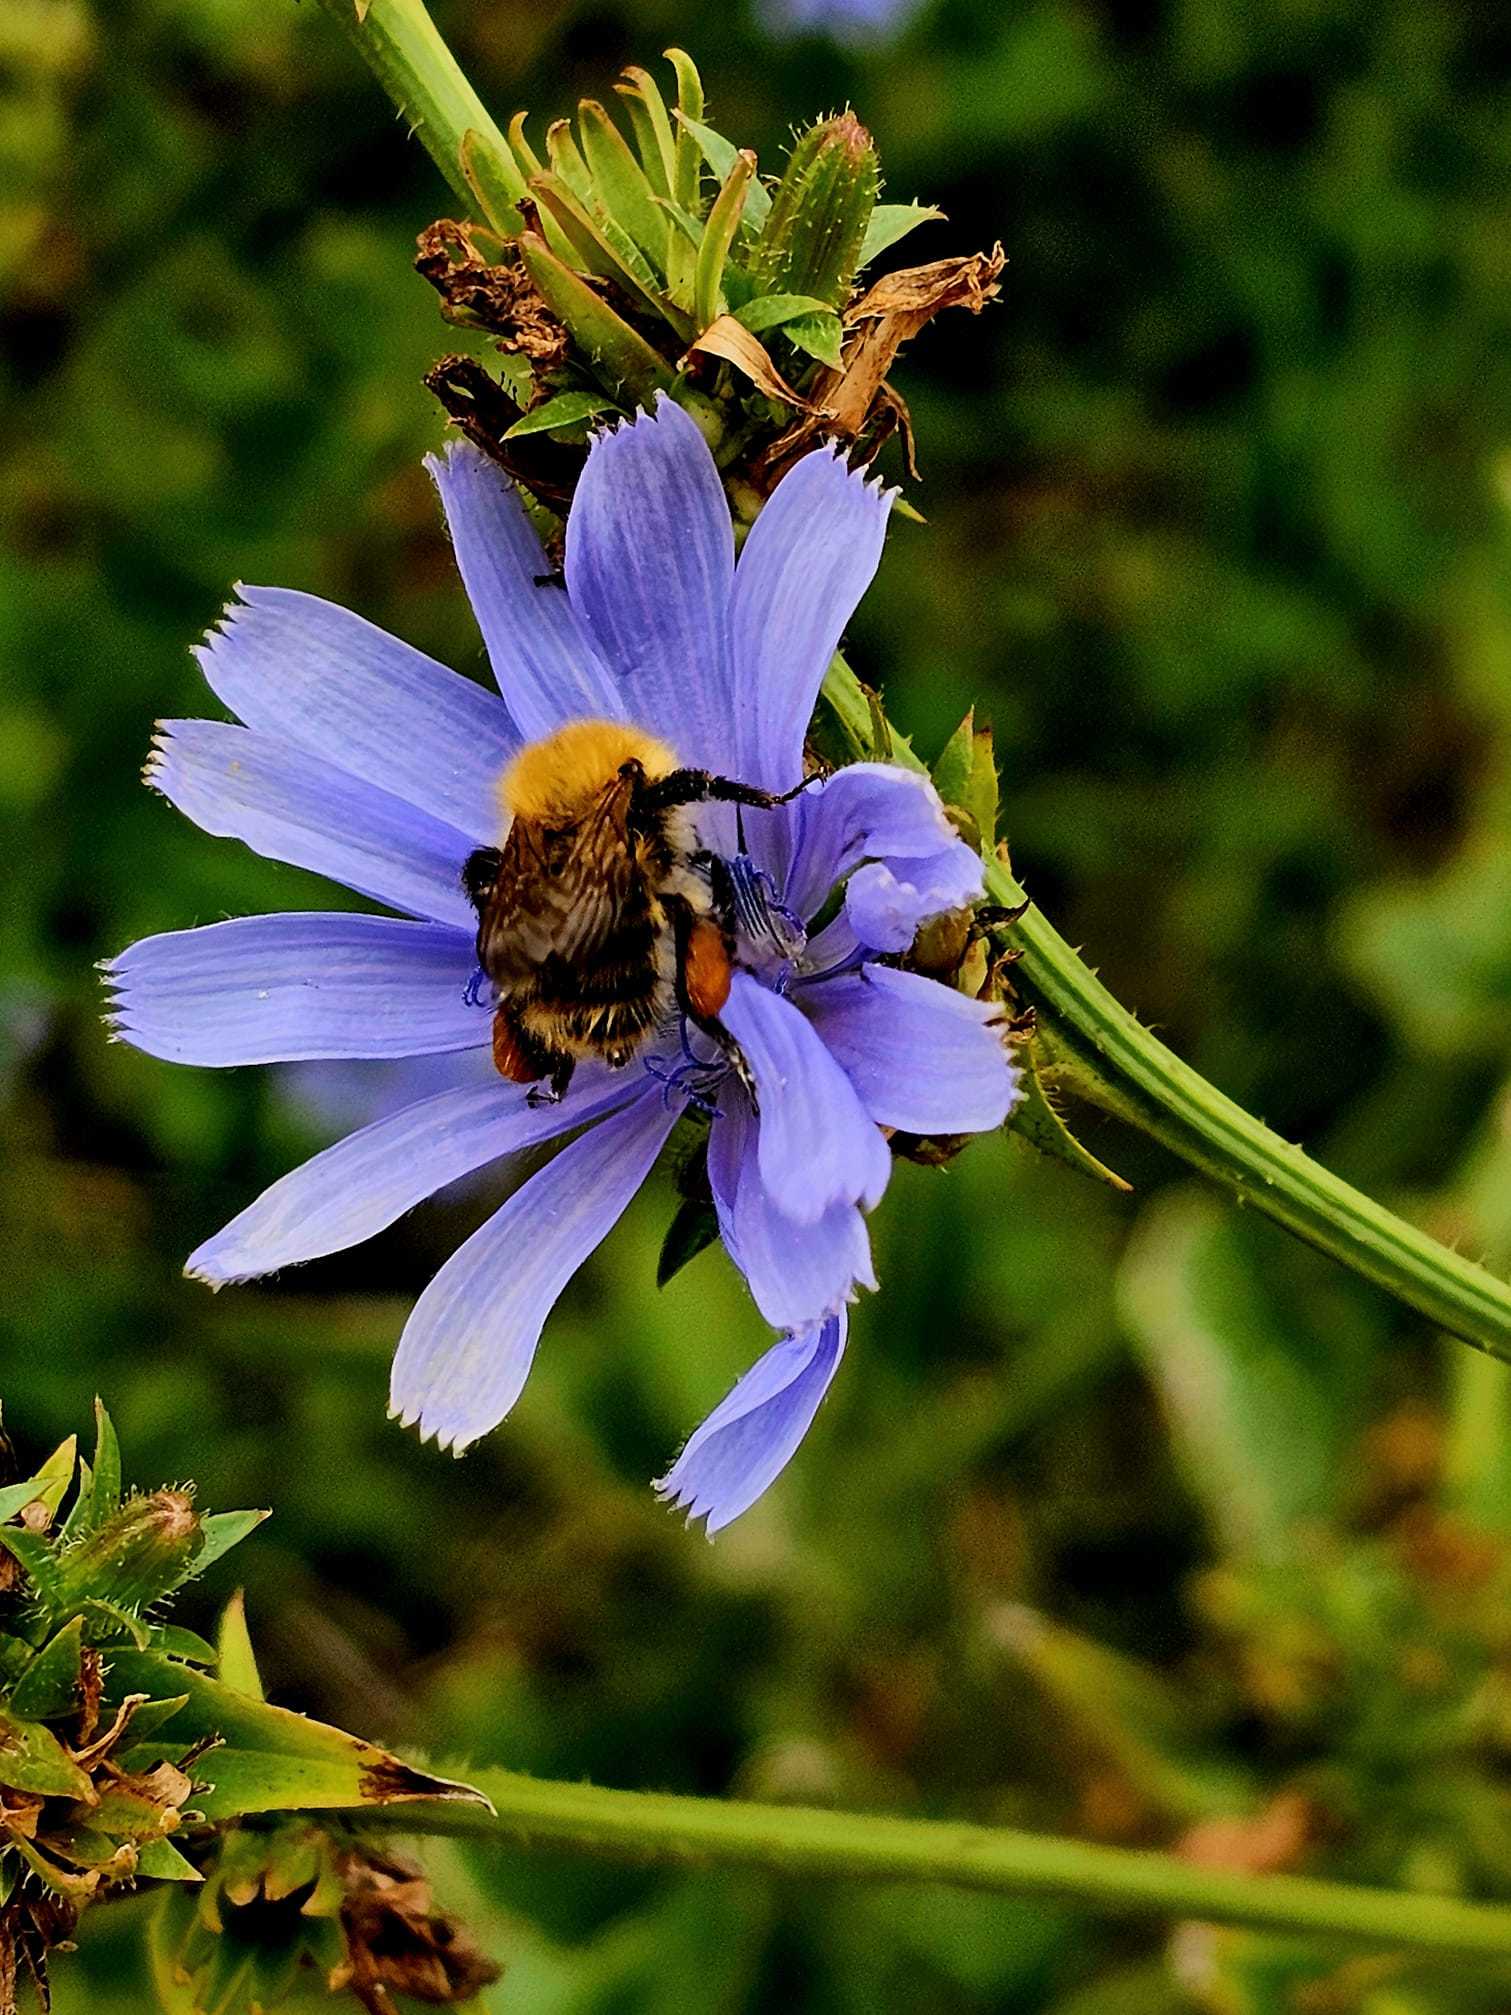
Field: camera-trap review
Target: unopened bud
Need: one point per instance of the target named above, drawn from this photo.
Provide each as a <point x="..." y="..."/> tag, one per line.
<point x="820" y="213"/>
<point x="139" y="1554"/>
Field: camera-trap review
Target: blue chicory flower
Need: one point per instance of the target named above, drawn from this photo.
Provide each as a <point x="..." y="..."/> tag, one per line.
<point x="851" y="21"/>
<point x="364" y="761"/>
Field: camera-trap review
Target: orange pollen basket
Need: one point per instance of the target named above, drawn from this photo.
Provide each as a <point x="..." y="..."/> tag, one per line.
<point x="508" y="1059"/>
<point x="706" y="969"/>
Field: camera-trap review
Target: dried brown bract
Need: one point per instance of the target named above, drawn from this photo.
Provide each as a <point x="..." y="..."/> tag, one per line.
<point x="499" y="297"/>
<point x="398" y="1942"/>
<point x="857" y="397"/>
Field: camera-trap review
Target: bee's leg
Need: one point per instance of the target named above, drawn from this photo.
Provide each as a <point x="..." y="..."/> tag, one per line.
<point x="554" y="1090"/>
<point x="699" y="787"/>
<point x="704" y="973"/>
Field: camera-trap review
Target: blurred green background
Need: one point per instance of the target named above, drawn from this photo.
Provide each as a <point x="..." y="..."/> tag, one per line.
<point x="1126" y="1517"/>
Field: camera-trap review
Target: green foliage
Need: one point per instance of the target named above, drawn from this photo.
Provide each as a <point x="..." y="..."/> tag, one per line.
<point x="105" y="1722"/>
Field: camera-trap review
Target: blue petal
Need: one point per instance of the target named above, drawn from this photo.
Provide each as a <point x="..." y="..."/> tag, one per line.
<point x="547" y="670"/>
<point x="816" y="1145"/>
<point x="306" y="672"/>
<point x="807" y="561"/>
<point x="750" y="1437"/>
<point x="886" y="901"/>
<point x="797" y="1273"/>
<point x="866" y="812"/>
<point x="466" y="1350"/>
<point x="292" y="807"/>
<point x="277" y="988"/>
<point x="922" y="1057"/>
<point x="650" y="563"/>
<point x="366" y="1181"/>
<point x="334" y="1095"/>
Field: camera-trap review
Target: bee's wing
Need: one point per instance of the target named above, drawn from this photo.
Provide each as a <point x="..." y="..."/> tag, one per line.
<point x="549" y="899"/>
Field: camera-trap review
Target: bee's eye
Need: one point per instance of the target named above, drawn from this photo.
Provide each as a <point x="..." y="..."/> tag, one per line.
<point x="633" y="770"/>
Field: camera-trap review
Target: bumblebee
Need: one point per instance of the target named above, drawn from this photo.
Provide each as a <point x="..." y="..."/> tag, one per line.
<point x="600" y="914"/>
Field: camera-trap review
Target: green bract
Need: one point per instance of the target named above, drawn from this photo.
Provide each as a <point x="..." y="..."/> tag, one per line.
<point x="614" y="266"/>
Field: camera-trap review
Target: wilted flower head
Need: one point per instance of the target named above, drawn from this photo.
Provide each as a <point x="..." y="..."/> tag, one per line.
<point x="365" y="761"/>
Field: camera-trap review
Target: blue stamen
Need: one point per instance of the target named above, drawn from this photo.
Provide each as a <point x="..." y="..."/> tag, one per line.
<point x="760" y="913"/>
<point x="472" y="994"/>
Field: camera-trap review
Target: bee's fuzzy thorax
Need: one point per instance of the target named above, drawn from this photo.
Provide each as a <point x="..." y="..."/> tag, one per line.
<point x="560" y="775"/>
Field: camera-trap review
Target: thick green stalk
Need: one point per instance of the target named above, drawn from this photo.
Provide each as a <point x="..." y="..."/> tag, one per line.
<point x="400" y="43"/>
<point x="794" y="1840"/>
<point x="1120" y="1063"/>
<point x="1129" y="1071"/>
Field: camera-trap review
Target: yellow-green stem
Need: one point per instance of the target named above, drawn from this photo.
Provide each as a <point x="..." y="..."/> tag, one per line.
<point x="404" y="50"/>
<point x="798" y="1841"/>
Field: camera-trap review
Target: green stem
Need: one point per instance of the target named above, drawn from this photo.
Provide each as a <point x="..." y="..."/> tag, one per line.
<point x="401" y="45"/>
<point x="1122" y="1065"/>
<point x="1131" y="1073"/>
<point x="800" y="1841"/>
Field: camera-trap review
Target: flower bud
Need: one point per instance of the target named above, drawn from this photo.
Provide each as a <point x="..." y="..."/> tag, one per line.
<point x="812" y="240"/>
<point x="139" y="1554"/>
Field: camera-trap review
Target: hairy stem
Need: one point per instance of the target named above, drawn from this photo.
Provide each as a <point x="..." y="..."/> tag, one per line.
<point x="795" y="1840"/>
<point x="402" y="47"/>
<point x="1131" y="1073"/>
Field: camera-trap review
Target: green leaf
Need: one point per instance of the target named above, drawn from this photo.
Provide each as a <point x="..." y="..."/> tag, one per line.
<point x="695" y="1225"/>
<point x="1036" y="1119"/>
<point x="222" y="1531"/>
<point x="718" y="236"/>
<point x="770" y="311"/>
<point x="566" y="161"/>
<point x="819" y="335"/>
<point x="721" y="155"/>
<point x="236" y="1662"/>
<point x="176" y="1642"/>
<point x="161" y="1861"/>
<point x="77" y="1520"/>
<point x="965" y="777"/>
<point x="620" y="183"/>
<point x="36" y="1556"/>
<point x="519" y="145"/>
<point x="493" y="176"/>
<point x="106" y="1496"/>
<point x="142" y="1552"/>
<point x="148" y="1719"/>
<point x="687" y="183"/>
<point x="49" y="1685"/>
<point x="622" y="359"/>
<point x="653" y="127"/>
<point x="269" y="1760"/>
<point x="32" y="1759"/>
<point x="952" y="770"/>
<point x="567" y="409"/>
<point x="46" y="1487"/>
<point x="891" y="221"/>
<point x="590" y="239"/>
<point x="690" y="227"/>
<point x="107" y="1623"/>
